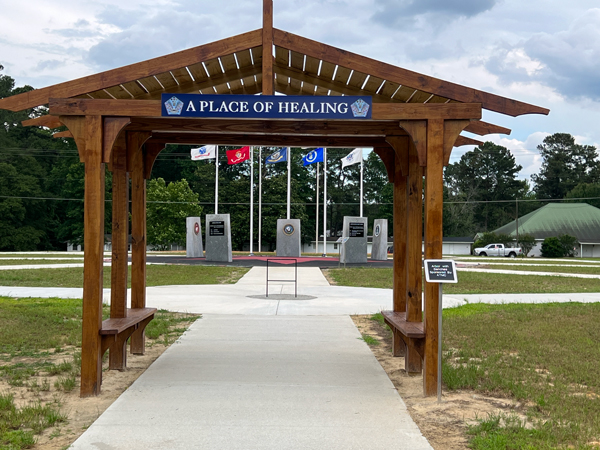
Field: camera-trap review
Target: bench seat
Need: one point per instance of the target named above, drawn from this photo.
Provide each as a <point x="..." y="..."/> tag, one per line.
<point x="409" y="339"/>
<point x="118" y="325"/>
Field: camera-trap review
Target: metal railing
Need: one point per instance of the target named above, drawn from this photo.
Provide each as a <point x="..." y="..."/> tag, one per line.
<point x="295" y="280"/>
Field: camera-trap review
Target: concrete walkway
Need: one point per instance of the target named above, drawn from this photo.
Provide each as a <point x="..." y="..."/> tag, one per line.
<point x="256" y="382"/>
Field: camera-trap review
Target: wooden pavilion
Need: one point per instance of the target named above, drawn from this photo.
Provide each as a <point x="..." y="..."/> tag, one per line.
<point x="115" y="119"/>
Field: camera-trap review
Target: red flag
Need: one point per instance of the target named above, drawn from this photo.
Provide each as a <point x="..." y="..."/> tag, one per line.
<point x="238" y="155"/>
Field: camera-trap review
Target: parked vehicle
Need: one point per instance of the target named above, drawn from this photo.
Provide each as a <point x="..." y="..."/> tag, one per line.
<point x="498" y="250"/>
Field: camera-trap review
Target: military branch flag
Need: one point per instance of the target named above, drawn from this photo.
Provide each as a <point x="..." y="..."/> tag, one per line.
<point x="205" y="152"/>
<point x="238" y="155"/>
<point x="314" y="156"/>
<point x="355" y="156"/>
<point x="278" y="156"/>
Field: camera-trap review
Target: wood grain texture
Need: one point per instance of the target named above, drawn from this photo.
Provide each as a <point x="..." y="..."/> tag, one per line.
<point x="283" y="140"/>
<point x="399" y="226"/>
<point x="422" y="111"/>
<point x="452" y="129"/>
<point x="387" y="155"/>
<point x="414" y="236"/>
<point x="417" y="129"/>
<point x="482" y="128"/>
<point x="400" y="146"/>
<point x="113" y="126"/>
<point x="258" y="126"/>
<point x="47" y="121"/>
<point x="267" y="48"/>
<point x="150" y="155"/>
<point x="93" y="217"/>
<point x="463" y="140"/>
<point x="108" y="107"/>
<point x="433" y="247"/>
<point x="76" y="126"/>
<point x="135" y="141"/>
<point x="133" y="72"/>
<point x="402" y="76"/>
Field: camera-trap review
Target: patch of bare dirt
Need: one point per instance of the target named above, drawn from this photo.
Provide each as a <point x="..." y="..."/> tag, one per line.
<point x="443" y="424"/>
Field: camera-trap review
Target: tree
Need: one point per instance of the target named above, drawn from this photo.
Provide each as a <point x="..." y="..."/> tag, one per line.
<point x="559" y="247"/>
<point x="478" y="183"/>
<point x="565" y="165"/>
<point x="168" y="207"/>
<point x="526" y="242"/>
<point x="585" y="192"/>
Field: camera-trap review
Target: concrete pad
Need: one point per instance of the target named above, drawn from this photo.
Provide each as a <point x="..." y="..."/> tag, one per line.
<point x="249" y="382"/>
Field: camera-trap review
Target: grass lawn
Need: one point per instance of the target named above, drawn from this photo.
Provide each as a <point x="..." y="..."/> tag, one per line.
<point x="473" y="282"/>
<point x="40" y="348"/>
<point x="19" y="262"/>
<point x="156" y="275"/>
<point x="544" y="356"/>
<point x="594" y="270"/>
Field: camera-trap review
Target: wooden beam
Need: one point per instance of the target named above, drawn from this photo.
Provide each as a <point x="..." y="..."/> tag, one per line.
<point x="434" y="193"/>
<point x="150" y="155"/>
<point x="463" y="140"/>
<point x="400" y="146"/>
<point x="387" y="155"/>
<point x="417" y="129"/>
<point x="120" y="235"/>
<point x="425" y="111"/>
<point x="482" y="128"/>
<point x="135" y="165"/>
<point x="268" y="140"/>
<point x="399" y="226"/>
<point x="267" y="48"/>
<point x="113" y="126"/>
<point x="63" y="134"/>
<point x="47" y="121"/>
<point x="93" y="225"/>
<point x="133" y="72"/>
<point x="414" y="237"/>
<point x="83" y="106"/>
<point x="272" y="127"/>
<point x="452" y="129"/>
<point x="402" y="76"/>
<point x="77" y="127"/>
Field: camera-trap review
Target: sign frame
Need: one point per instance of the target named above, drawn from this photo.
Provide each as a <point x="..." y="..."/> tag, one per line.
<point x="445" y="262"/>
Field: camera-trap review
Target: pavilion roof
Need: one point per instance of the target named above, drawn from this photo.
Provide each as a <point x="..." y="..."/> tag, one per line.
<point x="301" y="67"/>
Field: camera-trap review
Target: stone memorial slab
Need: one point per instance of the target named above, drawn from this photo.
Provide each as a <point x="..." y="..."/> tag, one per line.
<point x="355" y="248"/>
<point x="288" y="238"/>
<point x="380" y="240"/>
<point x="193" y="241"/>
<point x="218" y="238"/>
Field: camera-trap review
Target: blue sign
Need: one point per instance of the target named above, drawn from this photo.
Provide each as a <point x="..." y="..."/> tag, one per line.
<point x="266" y="106"/>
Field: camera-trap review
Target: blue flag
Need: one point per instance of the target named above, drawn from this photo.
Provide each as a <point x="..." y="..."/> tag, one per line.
<point x="313" y="156"/>
<point x="278" y="156"/>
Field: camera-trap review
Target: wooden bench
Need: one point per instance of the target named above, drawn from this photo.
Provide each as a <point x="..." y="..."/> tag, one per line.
<point x="115" y="332"/>
<point x="409" y="340"/>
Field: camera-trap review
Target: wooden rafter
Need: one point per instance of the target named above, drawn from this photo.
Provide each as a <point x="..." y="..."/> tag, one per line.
<point x="403" y="77"/>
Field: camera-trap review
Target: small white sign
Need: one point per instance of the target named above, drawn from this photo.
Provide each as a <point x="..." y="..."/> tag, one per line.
<point x="440" y="271"/>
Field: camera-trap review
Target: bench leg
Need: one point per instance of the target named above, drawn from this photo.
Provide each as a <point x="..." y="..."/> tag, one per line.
<point x="412" y="360"/>
<point x="117" y="356"/>
<point x="138" y="338"/>
<point x="398" y="345"/>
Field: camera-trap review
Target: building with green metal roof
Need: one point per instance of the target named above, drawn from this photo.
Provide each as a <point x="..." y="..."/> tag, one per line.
<point x="576" y="219"/>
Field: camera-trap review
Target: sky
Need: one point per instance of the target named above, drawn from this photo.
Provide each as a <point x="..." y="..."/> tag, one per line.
<point x="544" y="52"/>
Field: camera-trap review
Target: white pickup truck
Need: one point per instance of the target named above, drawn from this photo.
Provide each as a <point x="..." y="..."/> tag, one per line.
<point x="498" y="250"/>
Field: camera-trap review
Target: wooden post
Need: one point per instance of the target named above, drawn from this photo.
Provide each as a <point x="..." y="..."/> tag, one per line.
<point x="93" y="219"/>
<point x="138" y="231"/>
<point x="267" y="48"/>
<point x="120" y="233"/>
<point x="400" y="146"/>
<point x="433" y="247"/>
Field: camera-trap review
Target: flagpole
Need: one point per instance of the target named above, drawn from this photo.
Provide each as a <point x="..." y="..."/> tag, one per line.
<point x="361" y="185"/>
<point x="260" y="163"/>
<point x="324" y="201"/>
<point x="289" y="158"/>
<point x="217" y="180"/>
<point x="251" y="201"/>
<point x="317" y="214"/>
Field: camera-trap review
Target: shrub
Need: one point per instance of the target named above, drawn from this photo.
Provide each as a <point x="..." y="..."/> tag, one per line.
<point x="526" y="242"/>
<point x="569" y="245"/>
<point x="552" y="248"/>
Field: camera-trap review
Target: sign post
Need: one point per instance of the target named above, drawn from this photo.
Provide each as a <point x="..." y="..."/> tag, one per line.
<point x="440" y="271"/>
